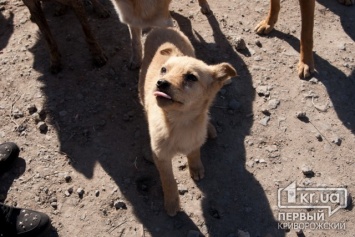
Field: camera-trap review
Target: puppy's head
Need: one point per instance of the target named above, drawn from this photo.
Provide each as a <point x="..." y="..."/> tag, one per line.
<point x="186" y="84"/>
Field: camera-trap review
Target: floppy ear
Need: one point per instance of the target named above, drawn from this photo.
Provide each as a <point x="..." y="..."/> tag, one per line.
<point x="223" y="72"/>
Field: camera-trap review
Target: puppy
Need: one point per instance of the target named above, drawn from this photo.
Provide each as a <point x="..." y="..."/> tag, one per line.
<point x="38" y="17"/>
<point x="176" y="91"/>
<point x="138" y="14"/>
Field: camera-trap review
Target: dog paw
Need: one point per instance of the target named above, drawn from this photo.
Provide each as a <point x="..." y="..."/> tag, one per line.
<point x="264" y="28"/>
<point x="347" y="2"/>
<point x="304" y="70"/>
<point x="197" y="173"/>
<point x="100" y="60"/>
<point x="172" y="206"/>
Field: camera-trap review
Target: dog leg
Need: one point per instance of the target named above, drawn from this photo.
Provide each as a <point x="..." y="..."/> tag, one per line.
<point x="197" y="171"/>
<point x="171" y="196"/>
<point x="205" y="8"/>
<point x="306" y="63"/>
<point x="265" y="26"/>
<point x="38" y="17"/>
<point x="98" y="55"/>
<point x="136" y="41"/>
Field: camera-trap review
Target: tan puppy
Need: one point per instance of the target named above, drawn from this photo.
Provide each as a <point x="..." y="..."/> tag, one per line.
<point x="138" y="14"/>
<point x="177" y="91"/>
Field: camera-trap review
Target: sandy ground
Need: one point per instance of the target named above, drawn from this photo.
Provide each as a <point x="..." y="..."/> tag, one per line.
<point x="96" y="131"/>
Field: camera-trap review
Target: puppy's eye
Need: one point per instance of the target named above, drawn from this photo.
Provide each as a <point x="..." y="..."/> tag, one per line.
<point x="190" y="77"/>
<point x="163" y="70"/>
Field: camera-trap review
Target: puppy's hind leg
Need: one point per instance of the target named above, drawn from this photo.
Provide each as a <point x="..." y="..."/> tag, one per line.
<point x="197" y="171"/>
<point x="171" y="196"/>
<point x="136" y="44"/>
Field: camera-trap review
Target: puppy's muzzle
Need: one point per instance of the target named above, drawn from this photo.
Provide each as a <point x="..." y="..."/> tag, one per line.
<point x="162" y="84"/>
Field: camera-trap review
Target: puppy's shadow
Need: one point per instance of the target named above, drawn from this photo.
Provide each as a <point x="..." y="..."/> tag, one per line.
<point x="232" y="198"/>
<point x="6" y="29"/>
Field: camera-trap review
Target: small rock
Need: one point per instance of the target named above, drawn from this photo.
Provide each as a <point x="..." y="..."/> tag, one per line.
<point x="240" y="44"/>
<point x="271" y="148"/>
<point x="54" y="205"/>
<point x="313" y="81"/>
<point x="97" y="193"/>
<point x="80" y="192"/>
<point x="193" y="233"/>
<point x="42" y="126"/>
<point x="250" y="163"/>
<point x="182" y="189"/>
<point x="243" y="233"/>
<point x="262" y="161"/>
<point x="337" y="141"/>
<point x="299" y="233"/>
<point x="307" y="171"/>
<point x="319" y="137"/>
<point x="67" y="178"/>
<point x="36" y="117"/>
<point x="234" y="104"/>
<point x="258" y="58"/>
<point x="265" y="121"/>
<point x="17" y="114"/>
<point x="302" y="116"/>
<point x="32" y="109"/>
<point x="263" y="91"/>
<point x="119" y="205"/>
<point x="258" y="43"/>
<point x="273" y="103"/>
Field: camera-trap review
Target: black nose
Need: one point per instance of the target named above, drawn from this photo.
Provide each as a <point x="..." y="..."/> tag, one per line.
<point x="163" y="84"/>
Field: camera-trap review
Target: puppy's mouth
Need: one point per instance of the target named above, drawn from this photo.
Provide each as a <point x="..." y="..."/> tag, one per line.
<point x="164" y="97"/>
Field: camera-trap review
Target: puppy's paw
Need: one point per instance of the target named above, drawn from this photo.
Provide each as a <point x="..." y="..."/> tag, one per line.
<point x="172" y="205"/>
<point x="197" y="173"/>
<point x="347" y="2"/>
<point x="264" y="28"/>
<point x="305" y="70"/>
<point x="100" y="60"/>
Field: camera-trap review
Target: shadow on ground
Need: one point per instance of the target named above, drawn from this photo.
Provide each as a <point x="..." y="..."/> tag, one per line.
<point x="98" y="118"/>
<point x="6" y="30"/>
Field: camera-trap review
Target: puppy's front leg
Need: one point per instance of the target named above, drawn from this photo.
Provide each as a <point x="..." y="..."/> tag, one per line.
<point x="197" y="171"/>
<point x="136" y="44"/>
<point x="306" y="63"/>
<point x="171" y="196"/>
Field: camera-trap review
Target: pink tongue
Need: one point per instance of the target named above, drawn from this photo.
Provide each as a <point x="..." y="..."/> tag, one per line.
<point x="161" y="94"/>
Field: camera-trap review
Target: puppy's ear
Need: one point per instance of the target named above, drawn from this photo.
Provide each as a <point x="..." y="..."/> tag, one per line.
<point x="166" y="51"/>
<point x="223" y="72"/>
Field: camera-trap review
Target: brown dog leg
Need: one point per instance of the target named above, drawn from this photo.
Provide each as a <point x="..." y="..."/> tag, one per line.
<point x="205" y="8"/>
<point x="136" y="43"/>
<point x="265" y="26"/>
<point x="306" y="63"/>
<point x="37" y="16"/>
<point x="98" y="55"/>
<point x="171" y="196"/>
<point x="197" y="171"/>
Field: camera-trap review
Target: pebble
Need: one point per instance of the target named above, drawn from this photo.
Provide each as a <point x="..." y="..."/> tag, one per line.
<point x="54" y="205"/>
<point x="337" y="141"/>
<point x="31" y="109"/>
<point x="17" y="114"/>
<point x="319" y="137"/>
<point x="258" y="43"/>
<point x="119" y="205"/>
<point x="67" y="178"/>
<point x="265" y="121"/>
<point x="313" y="81"/>
<point x="271" y="148"/>
<point x="250" y="163"/>
<point x="262" y="161"/>
<point x="80" y="192"/>
<point x="97" y="193"/>
<point x="307" y="171"/>
<point x="243" y="233"/>
<point x="273" y="103"/>
<point x="42" y="126"/>
<point x="262" y="90"/>
<point x="234" y="104"/>
<point x="240" y="44"/>
<point x="182" y="189"/>
<point x="36" y="118"/>
<point x="258" y="58"/>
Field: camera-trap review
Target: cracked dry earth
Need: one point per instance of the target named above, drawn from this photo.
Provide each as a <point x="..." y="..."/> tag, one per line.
<point x="82" y="131"/>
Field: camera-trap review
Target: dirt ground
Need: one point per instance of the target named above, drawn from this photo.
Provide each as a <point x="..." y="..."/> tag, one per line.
<point x="96" y="132"/>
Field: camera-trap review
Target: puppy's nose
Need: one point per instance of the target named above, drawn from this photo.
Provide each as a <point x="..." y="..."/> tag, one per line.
<point x="163" y="84"/>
